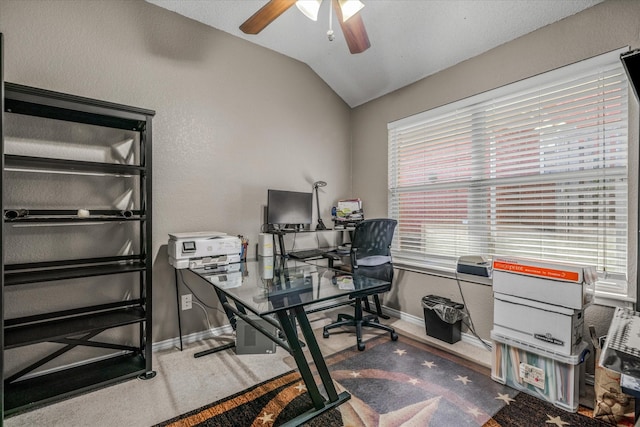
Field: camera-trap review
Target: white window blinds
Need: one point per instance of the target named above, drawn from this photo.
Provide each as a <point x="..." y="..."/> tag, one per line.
<point x="535" y="169"/>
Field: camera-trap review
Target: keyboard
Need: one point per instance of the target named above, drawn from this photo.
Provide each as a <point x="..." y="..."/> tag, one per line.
<point x="308" y="253"/>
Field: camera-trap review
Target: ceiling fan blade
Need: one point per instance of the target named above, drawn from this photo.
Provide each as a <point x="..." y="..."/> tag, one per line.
<point x="353" y="29"/>
<point x="265" y="16"/>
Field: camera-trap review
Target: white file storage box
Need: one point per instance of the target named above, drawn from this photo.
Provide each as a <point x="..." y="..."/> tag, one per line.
<point x="544" y="326"/>
<point x="566" y="285"/>
<point x="553" y="378"/>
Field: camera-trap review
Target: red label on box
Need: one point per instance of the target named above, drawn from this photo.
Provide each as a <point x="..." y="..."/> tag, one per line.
<point x="536" y="271"/>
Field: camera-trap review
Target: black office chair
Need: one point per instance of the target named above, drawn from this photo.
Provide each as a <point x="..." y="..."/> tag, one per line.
<point x="370" y="256"/>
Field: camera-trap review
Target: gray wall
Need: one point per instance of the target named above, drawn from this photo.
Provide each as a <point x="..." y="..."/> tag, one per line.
<point x="232" y="119"/>
<point x="602" y="28"/>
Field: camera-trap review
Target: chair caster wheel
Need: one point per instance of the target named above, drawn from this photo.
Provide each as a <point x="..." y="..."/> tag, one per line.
<point x="361" y="346"/>
<point x="325" y="334"/>
<point x="394" y="336"/>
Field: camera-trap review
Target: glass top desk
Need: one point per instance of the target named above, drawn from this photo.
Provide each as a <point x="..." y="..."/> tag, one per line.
<point x="280" y="291"/>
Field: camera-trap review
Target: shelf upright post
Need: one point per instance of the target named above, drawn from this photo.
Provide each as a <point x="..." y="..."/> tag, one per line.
<point x="145" y="182"/>
<point x="1" y="231"/>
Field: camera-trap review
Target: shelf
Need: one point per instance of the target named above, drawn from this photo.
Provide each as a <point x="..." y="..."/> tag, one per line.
<point x="71" y="216"/>
<point x="71" y="219"/>
<point x="37" y="102"/>
<point x="56" y="329"/>
<point x="37" y="391"/>
<point x="64" y="165"/>
<point x="22" y="277"/>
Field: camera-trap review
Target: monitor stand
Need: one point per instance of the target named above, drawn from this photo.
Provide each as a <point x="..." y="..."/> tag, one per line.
<point x="288" y="228"/>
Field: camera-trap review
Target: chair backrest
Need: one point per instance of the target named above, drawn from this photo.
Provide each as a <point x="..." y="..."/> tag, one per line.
<point x="371" y="243"/>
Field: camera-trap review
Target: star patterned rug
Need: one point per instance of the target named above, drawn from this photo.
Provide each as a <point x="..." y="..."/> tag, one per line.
<point x="401" y="383"/>
<point x="527" y="410"/>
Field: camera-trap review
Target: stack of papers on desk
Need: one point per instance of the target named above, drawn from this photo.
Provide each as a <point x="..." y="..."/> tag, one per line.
<point x="348" y="212"/>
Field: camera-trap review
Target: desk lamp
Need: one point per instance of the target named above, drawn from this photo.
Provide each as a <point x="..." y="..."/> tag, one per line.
<point x="317" y="184"/>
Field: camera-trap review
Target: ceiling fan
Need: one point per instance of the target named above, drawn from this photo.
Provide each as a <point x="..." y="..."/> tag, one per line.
<point x="347" y="11"/>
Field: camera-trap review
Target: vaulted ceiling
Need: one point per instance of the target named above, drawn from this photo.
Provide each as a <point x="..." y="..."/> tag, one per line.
<point x="410" y="39"/>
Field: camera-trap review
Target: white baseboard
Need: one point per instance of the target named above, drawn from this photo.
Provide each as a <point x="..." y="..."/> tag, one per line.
<point x="415" y="320"/>
<point x="226" y="329"/>
<point x="191" y="338"/>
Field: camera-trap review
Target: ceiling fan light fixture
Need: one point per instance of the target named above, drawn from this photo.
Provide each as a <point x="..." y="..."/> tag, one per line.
<point x="349" y="8"/>
<point x="309" y="8"/>
<point x="355" y="34"/>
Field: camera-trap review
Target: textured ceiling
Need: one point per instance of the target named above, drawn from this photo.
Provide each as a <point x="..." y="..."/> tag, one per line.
<point x="410" y="39"/>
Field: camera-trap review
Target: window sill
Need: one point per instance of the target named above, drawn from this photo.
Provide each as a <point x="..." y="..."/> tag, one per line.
<point x="609" y="300"/>
<point x="600" y="298"/>
<point x="449" y="273"/>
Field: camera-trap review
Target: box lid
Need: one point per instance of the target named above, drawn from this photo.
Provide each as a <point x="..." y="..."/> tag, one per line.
<point x="549" y="270"/>
<point x="580" y="356"/>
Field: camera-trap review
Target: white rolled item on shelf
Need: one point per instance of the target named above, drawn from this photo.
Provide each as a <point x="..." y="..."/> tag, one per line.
<point x="15" y="213"/>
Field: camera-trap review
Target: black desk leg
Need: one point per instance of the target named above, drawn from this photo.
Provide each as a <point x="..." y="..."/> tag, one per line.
<point x="316" y="354"/>
<point x="230" y="315"/>
<point x="319" y="402"/>
<point x="298" y="355"/>
<point x="215" y="349"/>
<point x="283" y="251"/>
<point x="232" y="320"/>
<point x="178" y="301"/>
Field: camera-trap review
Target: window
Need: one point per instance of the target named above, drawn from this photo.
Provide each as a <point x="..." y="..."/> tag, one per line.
<point x="535" y="169"/>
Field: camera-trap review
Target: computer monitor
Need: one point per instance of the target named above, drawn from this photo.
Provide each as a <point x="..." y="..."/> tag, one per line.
<point x="289" y="209"/>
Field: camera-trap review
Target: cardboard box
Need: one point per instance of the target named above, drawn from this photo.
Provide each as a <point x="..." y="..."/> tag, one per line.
<point x="546" y="327"/>
<point x="552" y="378"/>
<point x="566" y="285"/>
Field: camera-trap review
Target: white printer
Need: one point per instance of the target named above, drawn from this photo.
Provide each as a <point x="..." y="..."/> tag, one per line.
<point x="202" y="249"/>
<point x="226" y="276"/>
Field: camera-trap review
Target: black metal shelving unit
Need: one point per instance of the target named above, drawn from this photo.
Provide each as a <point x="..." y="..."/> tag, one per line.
<point x="75" y="326"/>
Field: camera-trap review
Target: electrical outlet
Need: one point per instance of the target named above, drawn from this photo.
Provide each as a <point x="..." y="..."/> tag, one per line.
<point x="186" y="301"/>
